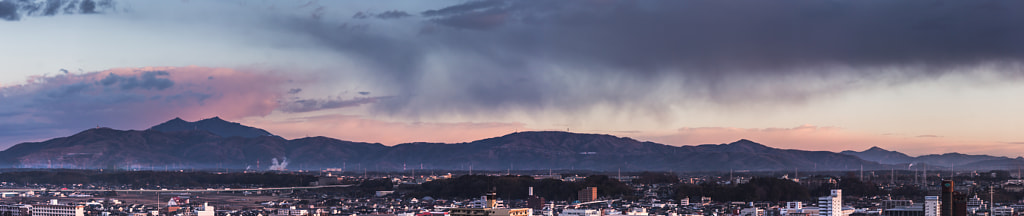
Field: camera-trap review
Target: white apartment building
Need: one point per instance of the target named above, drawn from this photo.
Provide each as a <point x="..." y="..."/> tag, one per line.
<point x="58" y="210"/>
<point x="1002" y="211"/>
<point x="206" y="210"/>
<point x="792" y="207"/>
<point x="831" y="205"/>
<point x="580" y="212"/>
<point x="931" y="206"/>
<point x="16" y="210"/>
<point x="292" y="211"/>
<point x="752" y="212"/>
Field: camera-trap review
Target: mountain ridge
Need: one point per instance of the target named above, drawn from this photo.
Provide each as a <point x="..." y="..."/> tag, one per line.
<point x="954" y="159"/>
<point x="215" y="125"/>
<point x="215" y="142"/>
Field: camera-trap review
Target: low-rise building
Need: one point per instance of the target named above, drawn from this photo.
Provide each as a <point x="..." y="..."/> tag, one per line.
<point x="16" y="210"/>
<point x="1002" y="211"/>
<point x="58" y="210"/>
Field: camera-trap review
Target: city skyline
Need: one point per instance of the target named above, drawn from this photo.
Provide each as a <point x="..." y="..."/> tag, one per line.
<point x="913" y="76"/>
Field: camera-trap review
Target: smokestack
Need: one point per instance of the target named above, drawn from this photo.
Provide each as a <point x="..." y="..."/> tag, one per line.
<point x="531" y="191"/>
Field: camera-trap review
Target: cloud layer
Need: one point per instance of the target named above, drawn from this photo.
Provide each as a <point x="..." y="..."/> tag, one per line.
<point x="494" y="57"/>
<point x="481" y="56"/>
<point x="619" y="63"/>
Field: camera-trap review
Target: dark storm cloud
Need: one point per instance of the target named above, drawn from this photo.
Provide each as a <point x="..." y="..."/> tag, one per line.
<point x="576" y="54"/>
<point x="393" y="14"/>
<point x="467" y="7"/>
<point x="747" y="35"/>
<point x="9" y="11"/>
<point x="479" y="20"/>
<point x="309" y="105"/>
<point x="360" y="15"/>
<point x="12" y="10"/>
<point x="68" y="90"/>
<point x="150" y="80"/>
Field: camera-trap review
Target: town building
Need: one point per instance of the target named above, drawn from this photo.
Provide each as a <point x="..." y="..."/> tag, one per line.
<point x="1002" y="211"/>
<point x="831" y="205"/>
<point x="975" y="203"/>
<point x="292" y="211"/>
<point x="890" y="204"/>
<point x="534" y="202"/>
<point x="205" y="210"/>
<point x="58" y="210"/>
<point x="588" y="194"/>
<point x="791" y="208"/>
<point x="580" y="212"/>
<point x="752" y="212"/>
<point x="953" y="203"/>
<point x="911" y="210"/>
<point x="931" y="206"/>
<point x="16" y="210"/>
<point x="490" y="208"/>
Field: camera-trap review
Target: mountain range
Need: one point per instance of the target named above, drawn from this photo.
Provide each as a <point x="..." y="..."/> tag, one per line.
<point x="216" y="143"/>
<point x="944" y="161"/>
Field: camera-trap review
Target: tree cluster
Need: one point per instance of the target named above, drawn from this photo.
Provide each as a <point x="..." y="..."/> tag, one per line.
<point x="758" y="189"/>
<point x="139" y="179"/>
<point x="656" y="178"/>
<point x="516" y="187"/>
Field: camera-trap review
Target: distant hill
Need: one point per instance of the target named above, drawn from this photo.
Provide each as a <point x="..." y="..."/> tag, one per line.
<point x="213" y="143"/>
<point x="957" y="160"/>
<point x="213" y="125"/>
<point x="109" y="148"/>
<point x="880" y="155"/>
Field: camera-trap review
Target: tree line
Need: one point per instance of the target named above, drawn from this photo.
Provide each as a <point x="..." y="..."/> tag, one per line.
<point x="140" y="179"/>
<point x="517" y="187"/>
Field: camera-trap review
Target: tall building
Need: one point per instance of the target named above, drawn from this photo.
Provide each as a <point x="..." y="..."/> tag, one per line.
<point x="588" y="194"/>
<point x="831" y="205"/>
<point x="959" y="204"/>
<point x="534" y="202"/>
<point x="932" y="206"/>
<point x="946" y="207"/>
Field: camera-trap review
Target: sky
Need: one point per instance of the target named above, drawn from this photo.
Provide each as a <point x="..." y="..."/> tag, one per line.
<point x="916" y="76"/>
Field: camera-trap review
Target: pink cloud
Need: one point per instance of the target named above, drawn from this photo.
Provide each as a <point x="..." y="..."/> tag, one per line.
<point x="137" y="98"/>
<point x="354" y="128"/>
<point x="132" y="98"/>
<point x="206" y="92"/>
